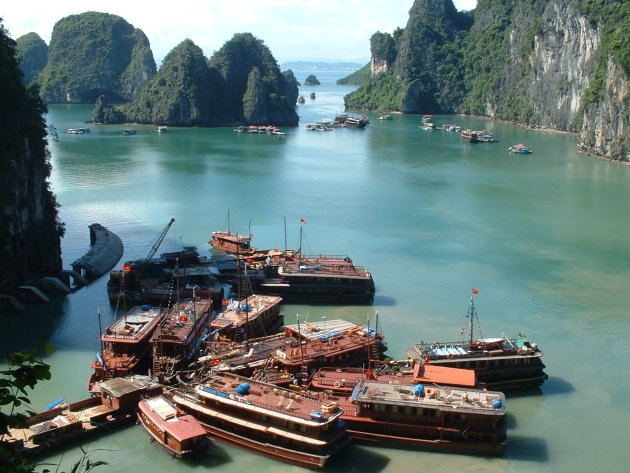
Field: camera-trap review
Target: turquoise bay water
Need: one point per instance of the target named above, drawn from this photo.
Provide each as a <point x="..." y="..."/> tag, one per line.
<point x="542" y="237"/>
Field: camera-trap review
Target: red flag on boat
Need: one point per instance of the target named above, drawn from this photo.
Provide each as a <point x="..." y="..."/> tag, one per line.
<point x="303" y="221"/>
<point x="249" y="260"/>
<point x="475" y="291"/>
<point x="126" y="267"/>
<point x="225" y="302"/>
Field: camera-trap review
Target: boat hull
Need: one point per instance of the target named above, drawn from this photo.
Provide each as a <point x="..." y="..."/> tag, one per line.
<point x="229" y="433"/>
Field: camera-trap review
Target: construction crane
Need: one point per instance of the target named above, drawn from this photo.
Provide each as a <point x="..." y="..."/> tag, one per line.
<point x="158" y="242"/>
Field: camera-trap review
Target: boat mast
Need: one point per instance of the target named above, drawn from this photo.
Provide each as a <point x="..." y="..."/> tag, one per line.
<point x="472" y="313"/>
<point x="303" y="369"/>
<point x="285" y="234"/>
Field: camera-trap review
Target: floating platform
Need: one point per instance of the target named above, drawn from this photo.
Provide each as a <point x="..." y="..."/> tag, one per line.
<point x="107" y="249"/>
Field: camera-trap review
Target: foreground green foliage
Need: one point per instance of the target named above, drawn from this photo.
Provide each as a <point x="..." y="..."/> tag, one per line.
<point x="25" y="370"/>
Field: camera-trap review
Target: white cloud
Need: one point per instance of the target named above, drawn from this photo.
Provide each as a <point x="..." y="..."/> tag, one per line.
<point x="293" y="29"/>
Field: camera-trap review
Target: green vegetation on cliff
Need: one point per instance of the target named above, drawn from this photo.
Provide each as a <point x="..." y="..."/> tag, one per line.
<point x="30" y="232"/>
<point x="358" y="77"/>
<point x="183" y="92"/>
<point x="240" y="84"/>
<point x="94" y="53"/>
<point x="417" y="69"/>
<point x="235" y="61"/>
<point x="33" y="55"/>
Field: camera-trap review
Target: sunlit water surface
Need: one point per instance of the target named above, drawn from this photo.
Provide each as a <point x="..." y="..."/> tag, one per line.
<point x="543" y="237"/>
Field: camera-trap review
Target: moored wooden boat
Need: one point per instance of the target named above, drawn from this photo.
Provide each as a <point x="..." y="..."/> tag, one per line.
<point x="317" y="279"/>
<point x="437" y="418"/>
<point x="64" y="424"/>
<point x="281" y="424"/>
<point x="125" y="345"/>
<point x="501" y="363"/>
<point x="177" y="433"/>
<point x="343" y="380"/>
<point x="315" y="345"/>
<point x="520" y="149"/>
<point x="256" y="315"/>
<point x="178" y="339"/>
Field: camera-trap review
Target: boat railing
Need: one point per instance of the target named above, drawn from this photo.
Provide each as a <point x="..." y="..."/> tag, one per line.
<point x="283" y="404"/>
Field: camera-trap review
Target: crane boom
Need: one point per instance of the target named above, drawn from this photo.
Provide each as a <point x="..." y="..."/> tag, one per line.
<point x="158" y="241"/>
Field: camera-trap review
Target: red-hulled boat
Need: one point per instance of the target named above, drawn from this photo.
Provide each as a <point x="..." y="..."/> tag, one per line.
<point x="281" y="424"/>
<point x="178" y="339"/>
<point x="126" y="345"/>
<point x="177" y="433"/>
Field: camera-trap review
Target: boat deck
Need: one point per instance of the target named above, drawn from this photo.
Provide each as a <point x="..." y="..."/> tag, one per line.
<point x="510" y="348"/>
<point x="264" y="398"/>
<point x="323" y="267"/>
<point x="182" y="319"/>
<point x="461" y="400"/>
<point x="134" y="325"/>
<point x="60" y="419"/>
<point x="235" y="314"/>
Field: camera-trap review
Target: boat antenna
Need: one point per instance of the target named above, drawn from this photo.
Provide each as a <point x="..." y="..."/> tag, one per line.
<point x="285" y="234"/>
<point x="228" y="225"/>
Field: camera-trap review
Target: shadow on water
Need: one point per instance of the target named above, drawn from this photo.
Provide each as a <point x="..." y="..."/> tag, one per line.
<point x="27" y="328"/>
<point x="556" y="385"/>
<point x="356" y="459"/>
<point x="384" y="301"/>
<point x="214" y="456"/>
<point x="533" y="449"/>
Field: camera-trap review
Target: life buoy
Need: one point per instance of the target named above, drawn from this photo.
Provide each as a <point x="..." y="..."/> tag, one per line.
<point x="338" y="370"/>
<point x="337" y="384"/>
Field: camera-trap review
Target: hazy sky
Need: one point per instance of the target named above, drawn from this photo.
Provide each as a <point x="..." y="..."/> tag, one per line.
<point x="313" y="30"/>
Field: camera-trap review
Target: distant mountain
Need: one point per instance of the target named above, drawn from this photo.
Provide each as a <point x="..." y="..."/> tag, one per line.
<point x="358" y="77"/>
<point x="321" y="66"/>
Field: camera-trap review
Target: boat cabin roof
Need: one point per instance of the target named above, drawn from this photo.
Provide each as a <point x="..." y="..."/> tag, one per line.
<point x="181" y="427"/>
<point x="320" y="330"/>
<point x="444" y="398"/>
<point x="238" y="312"/>
<point x="264" y="398"/>
<point x="118" y="387"/>
<point x="182" y="319"/>
<point x="134" y="324"/>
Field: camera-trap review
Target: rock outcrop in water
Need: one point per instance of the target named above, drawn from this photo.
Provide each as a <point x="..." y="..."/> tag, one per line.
<point x="30" y="233"/>
<point x="561" y="64"/>
<point x="240" y="84"/>
<point x="93" y="54"/>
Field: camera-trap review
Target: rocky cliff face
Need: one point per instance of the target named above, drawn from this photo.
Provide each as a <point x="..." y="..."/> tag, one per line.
<point x="560" y="64"/>
<point x="95" y="54"/>
<point x="235" y="62"/>
<point x="29" y="230"/>
<point x="559" y="68"/>
<point x="240" y="84"/>
<point x="184" y="92"/>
